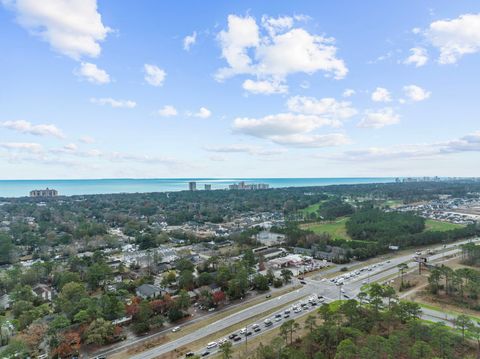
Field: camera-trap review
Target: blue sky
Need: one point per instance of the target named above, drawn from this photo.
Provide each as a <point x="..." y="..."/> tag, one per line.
<point x="104" y="89"/>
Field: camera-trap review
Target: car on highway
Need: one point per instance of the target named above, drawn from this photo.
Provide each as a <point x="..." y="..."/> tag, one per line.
<point x="237" y="339"/>
<point x="233" y="336"/>
<point x="247" y="334"/>
<point x="243" y="330"/>
<point x="212" y="345"/>
<point x="267" y="322"/>
<point x="222" y="341"/>
<point x="257" y="329"/>
<point x="286" y="316"/>
<point x="303" y="282"/>
<point x="205" y="353"/>
<point x="176" y="329"/>
<point x="346" y="296"/>
<point x="287" y="311"/>
<point x="189" y="354"/>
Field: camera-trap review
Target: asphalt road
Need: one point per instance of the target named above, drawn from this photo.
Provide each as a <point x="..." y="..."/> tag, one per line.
<point x="312" y="287"/>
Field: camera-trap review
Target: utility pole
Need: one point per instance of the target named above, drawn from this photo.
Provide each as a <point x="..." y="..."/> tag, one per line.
<point x="246" y="339"/>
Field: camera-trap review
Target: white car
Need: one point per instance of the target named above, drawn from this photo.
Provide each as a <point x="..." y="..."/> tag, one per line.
<point x="176" y="329"/>
<point x="221" y="341"/>
<point x="212" y="345"/>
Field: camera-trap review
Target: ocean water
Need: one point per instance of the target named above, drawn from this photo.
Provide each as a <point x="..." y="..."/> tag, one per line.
<point x="20" y="188"/>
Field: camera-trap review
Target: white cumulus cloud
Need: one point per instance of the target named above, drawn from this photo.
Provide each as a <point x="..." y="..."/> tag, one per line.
<point x="381" y="95"/>
<point x="275" y="50"/>
<point x="416" y="93"/>
<point x="264" y="87"/>
<point x="418" y="57"/>
<point x="154" y="75"/>
<point x="189" y="41"/>
<point x="114" y="103"/>
<point x="298" y="127"/>
<point x="327" y="107"/>
<point x="29" y="128"/>
<point x="72" y="27"/>
<point x="348" y="92"/>
<point x="31" y="147"/>
<point x="92" y="73"/>
<point x="203" y="112"/>
<point x="379" y="118"/>
<point x="168" y="111"/>
<point x="455" y="38"/>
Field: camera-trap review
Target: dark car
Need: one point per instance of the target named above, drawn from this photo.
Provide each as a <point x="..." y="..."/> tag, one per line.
<point x="257" y="329"/>
<point x="286" y="316"/>
<point x="233" y="336"/>
<point x="247" y="334"/>
<point x="237" y="339"/>
<point x="205" y="353"/>
<point x="303" y="282"/>
<point x="189" y="354"/>
<point x="346" y="296"/>
<point x="268" y="296"/>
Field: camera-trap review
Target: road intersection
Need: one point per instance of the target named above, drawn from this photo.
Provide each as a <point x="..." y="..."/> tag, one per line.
<point x="313" y="288"/>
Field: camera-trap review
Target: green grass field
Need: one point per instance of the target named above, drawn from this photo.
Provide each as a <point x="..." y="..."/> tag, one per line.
<point x="311" y="209"/>
<point x="439" y="226"/>
<point x="393" y="203"/>
<point x="335" y="228"/>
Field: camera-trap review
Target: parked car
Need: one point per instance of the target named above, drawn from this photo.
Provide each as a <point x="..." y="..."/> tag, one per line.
<point x="189" y="354"/>
<point x="176" y="329"/>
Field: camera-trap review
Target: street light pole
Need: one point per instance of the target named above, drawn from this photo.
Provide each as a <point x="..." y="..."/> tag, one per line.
<point x="246" y="339"/>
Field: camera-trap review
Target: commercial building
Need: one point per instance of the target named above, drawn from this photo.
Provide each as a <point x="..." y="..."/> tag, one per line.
<point x="244" y="186"/>
<point x="44" y="193"/>
<point x="192" y="186"/>
<point x="208" y="187"/>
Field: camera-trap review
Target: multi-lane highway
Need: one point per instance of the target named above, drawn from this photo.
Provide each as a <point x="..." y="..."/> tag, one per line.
<point x="313" y="287"/>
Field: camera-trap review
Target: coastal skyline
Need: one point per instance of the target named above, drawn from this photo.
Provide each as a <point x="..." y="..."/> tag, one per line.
<point x="156" y="91"/>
